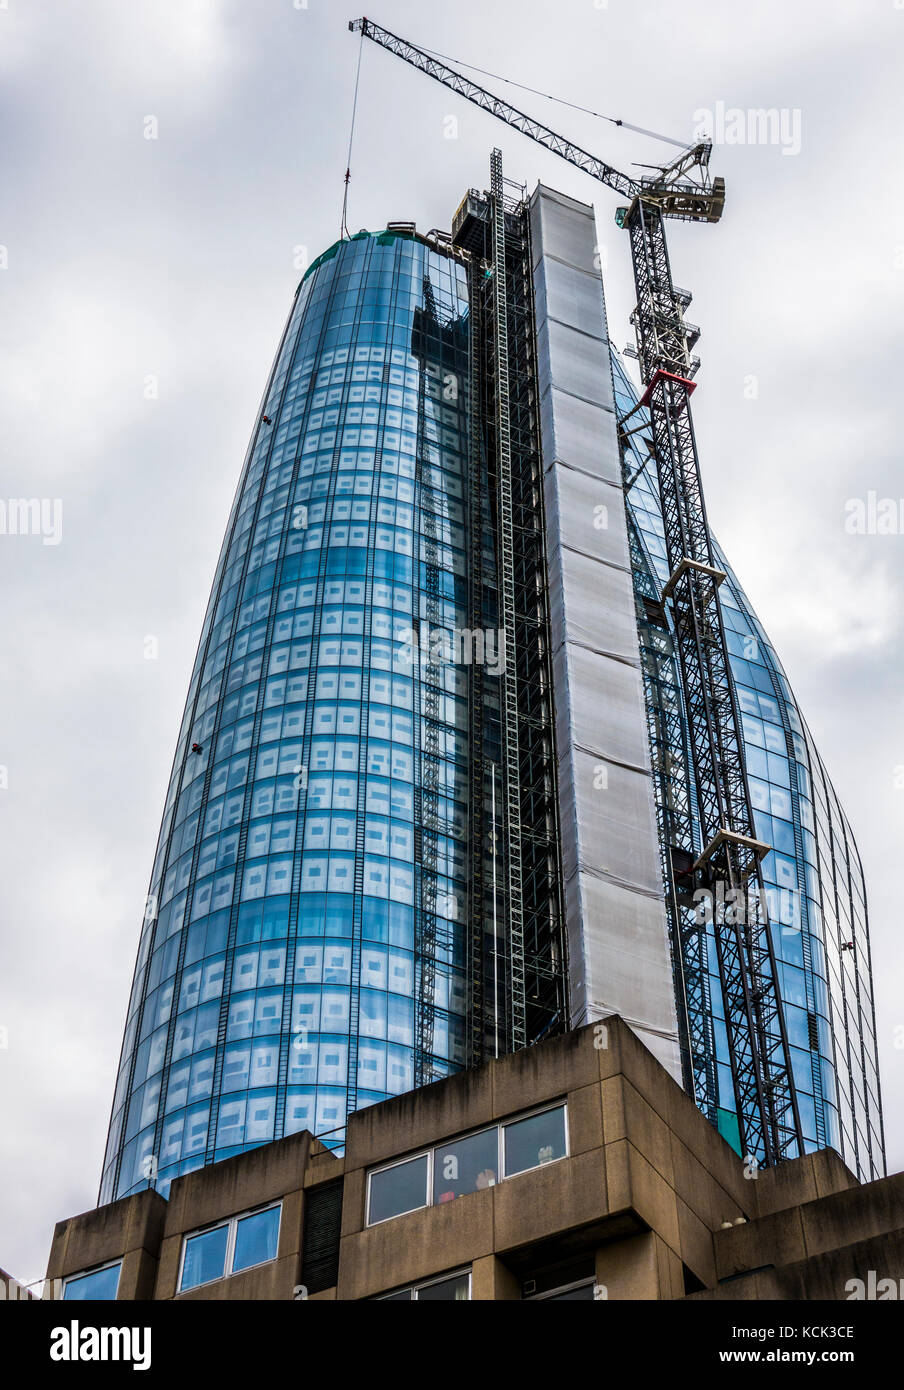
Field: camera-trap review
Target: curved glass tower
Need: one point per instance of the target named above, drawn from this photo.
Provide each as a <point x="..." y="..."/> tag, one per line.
<point x="275" y="987"/>
<point x="421" y="811"/>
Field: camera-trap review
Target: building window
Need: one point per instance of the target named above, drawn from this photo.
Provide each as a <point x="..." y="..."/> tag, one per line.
<point x="204" y="1257"/>
<point x="256" y="1237"/>
<point x="451" y="1288"/>
<point x="467" y="1164"/>
<point x="398" y="1189"/>
<point x="533" y="1141"/>
<point x="98" y="1284"/>
<point x="230" y="1247"/>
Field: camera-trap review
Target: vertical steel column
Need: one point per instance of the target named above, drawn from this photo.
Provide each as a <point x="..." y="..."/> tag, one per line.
<point x="542" y="898"/>
<point x="505" y="560"/>
<point x="477" y="1001"/>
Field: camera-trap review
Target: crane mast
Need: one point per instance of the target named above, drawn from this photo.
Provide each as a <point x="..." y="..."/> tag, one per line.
<point x="729" y="852"/>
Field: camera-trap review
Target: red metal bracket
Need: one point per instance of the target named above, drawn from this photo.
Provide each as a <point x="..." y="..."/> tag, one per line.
<point x="660" y="375"/>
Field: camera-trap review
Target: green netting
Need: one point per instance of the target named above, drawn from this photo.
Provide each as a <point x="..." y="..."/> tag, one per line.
<point x="382" y="239"/>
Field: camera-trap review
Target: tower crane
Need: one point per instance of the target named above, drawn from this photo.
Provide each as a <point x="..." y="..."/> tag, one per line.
<point x="731" y="854"/>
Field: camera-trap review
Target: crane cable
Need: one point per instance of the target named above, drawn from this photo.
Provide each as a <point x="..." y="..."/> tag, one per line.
<point x="497" y="77"/>
<point x="547" y="96"/>
<point x="343" y="226"/>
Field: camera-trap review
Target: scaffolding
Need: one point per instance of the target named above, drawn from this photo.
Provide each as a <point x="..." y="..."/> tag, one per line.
<point x="517" y="966"/>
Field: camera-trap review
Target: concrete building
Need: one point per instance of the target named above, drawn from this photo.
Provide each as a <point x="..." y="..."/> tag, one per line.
<point x="575" y="1169"/>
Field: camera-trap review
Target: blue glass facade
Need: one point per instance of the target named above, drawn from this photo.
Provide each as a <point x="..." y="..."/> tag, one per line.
<point x="813" y="875"/>
<point x="277" y="973"/>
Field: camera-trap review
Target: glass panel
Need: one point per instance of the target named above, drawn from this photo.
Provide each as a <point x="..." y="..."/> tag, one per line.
<point x="453" y="1290"/>
<point x="397" y="1190"/>
<point x="466" y="1165"/>
<point x="255" y="1239"/>
<point x="538" y="1139"/>
<point x="205" y="1257"/>
<point x="103" y="1283"/>
<point x="404" y="1297"/>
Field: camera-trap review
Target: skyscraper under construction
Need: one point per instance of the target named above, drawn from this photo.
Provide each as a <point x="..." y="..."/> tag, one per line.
<point x="434" y="794"/>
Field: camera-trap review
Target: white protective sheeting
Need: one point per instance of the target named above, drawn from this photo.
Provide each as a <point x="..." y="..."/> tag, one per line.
<point x="618" y="946"/>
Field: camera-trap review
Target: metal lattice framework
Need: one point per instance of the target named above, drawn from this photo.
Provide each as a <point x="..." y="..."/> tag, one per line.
<point x="670" y="760"/>
<point x="517" y="961"/>
<point x="478" y="770"/>
<point x="511" y="770"/>
<point x="731" y="854"/>
<point x="545" y="945"/>
<point x="758" y="1047"/>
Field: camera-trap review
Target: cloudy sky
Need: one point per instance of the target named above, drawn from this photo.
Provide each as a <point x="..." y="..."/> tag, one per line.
<point x="144" y="284"/>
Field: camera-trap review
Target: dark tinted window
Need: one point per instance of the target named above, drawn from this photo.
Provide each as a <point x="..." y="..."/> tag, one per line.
<point x="538" y="1139"/>
<point x="465" y="1165"/>
<point x="397" y="1190"/>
